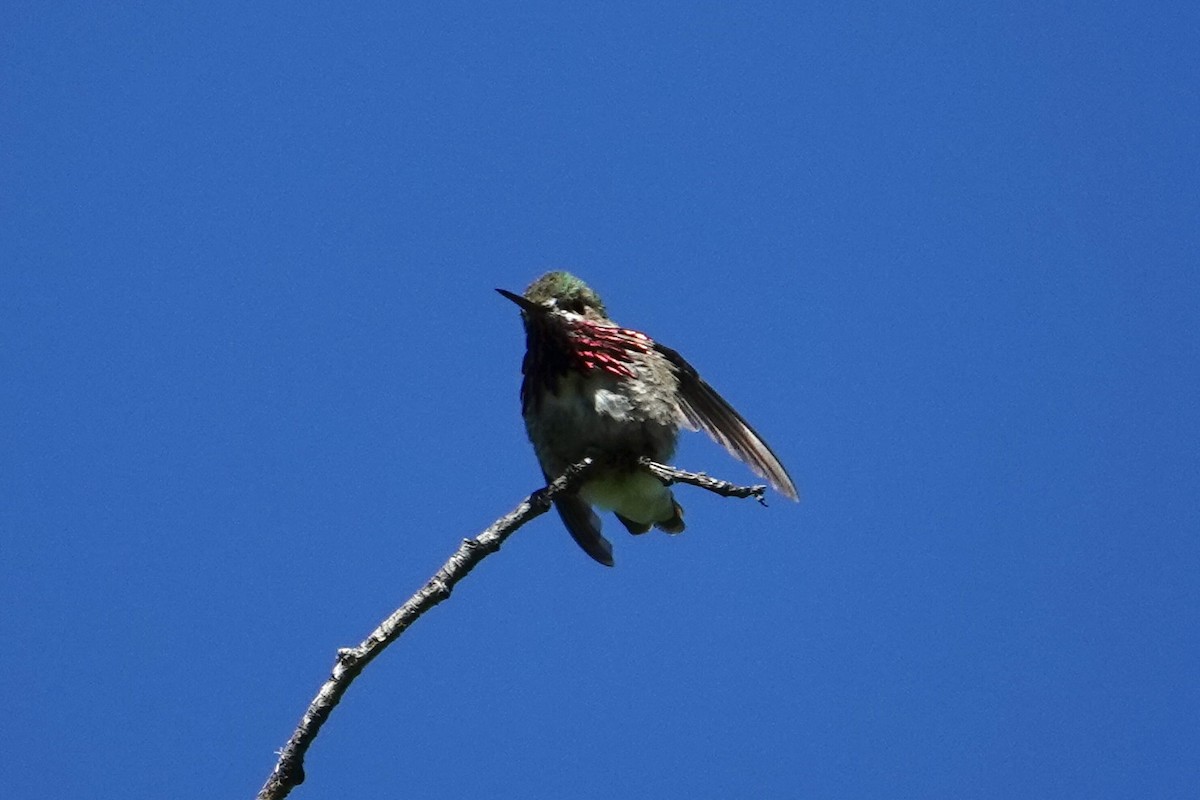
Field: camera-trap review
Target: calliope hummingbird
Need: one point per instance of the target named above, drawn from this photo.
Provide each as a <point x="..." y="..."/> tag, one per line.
<point x="595" y="389"/>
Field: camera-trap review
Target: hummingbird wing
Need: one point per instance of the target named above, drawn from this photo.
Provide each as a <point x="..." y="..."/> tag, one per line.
<point x="584" y="527"/>
<point x="705" y="410"/>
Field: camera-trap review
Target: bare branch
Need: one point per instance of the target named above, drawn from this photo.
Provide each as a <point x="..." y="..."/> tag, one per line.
<point x="289" y="770"/>
<point x="669" y="475"/>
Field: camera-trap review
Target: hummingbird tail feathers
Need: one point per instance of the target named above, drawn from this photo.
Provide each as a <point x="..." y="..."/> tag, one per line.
<point x="584" y="526"/>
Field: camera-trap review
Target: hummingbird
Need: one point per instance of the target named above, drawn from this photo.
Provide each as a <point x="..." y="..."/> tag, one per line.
<point x="592" y="388"/>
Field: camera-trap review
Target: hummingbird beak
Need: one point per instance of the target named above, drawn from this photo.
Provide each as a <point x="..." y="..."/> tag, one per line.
<point x="526" y="305"/>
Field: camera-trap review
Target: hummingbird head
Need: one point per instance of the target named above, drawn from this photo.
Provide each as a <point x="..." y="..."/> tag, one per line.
<point x="559" y="291"/>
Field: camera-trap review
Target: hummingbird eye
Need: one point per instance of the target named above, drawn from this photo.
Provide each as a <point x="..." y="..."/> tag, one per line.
<point x="573" y="305"/>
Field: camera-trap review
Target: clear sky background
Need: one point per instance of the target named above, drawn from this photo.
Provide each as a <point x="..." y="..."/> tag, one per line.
<point x="257" y="386"/>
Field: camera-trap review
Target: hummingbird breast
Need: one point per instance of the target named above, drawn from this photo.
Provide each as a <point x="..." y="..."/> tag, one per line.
<point x="617" y="419"/>
<point x="601" y="391"/>
<point x="600" y="415"/>
<point x="594" y="389"/>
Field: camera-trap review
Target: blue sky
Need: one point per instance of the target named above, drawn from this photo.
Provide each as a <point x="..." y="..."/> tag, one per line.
<point x="258" y="386"/>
